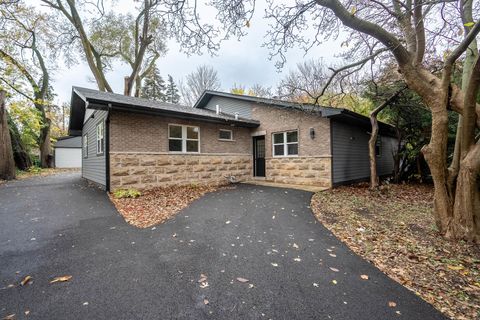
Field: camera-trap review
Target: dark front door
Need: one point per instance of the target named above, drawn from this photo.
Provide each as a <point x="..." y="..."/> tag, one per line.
<point x="259" y="156"/>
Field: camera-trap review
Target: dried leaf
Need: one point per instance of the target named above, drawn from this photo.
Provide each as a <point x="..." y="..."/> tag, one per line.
<point x="334" y="269"/>
<point x="205" y="301"/>
<point x="454" y="267"/>
<point x="295" y="246"/>
<point x="315" y="284"/>
<point x="27" y="312"/>
<point x="9" y="317"/>
<point x="243" y="280"/>
<point x="26" y="280"/>
<point x="364" y="277"/>
<point x="274" y="264"/>
<point x="203" y="285"/>
<point x="332" y="255"/>
<point x="297" y="259"/>
<point x="61" y="279"/>
<point x="392" y="304"/>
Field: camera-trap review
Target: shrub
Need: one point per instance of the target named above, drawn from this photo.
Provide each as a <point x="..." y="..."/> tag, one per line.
<point x="126" y="193"/>
<point x="34" y="169"/>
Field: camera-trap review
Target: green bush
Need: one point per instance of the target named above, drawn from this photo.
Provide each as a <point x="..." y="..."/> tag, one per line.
<point x="127" y="193"/>
<point x="34" y="169"/>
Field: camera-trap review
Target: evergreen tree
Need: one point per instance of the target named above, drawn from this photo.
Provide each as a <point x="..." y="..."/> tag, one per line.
<point x="154" y="86"/>
<point x="172" y="95"/>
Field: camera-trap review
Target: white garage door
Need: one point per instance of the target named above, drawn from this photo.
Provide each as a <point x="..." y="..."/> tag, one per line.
<point x="68" y="157"/>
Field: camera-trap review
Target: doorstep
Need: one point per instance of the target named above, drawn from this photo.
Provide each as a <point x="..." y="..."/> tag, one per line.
<point x="259" y="182"/>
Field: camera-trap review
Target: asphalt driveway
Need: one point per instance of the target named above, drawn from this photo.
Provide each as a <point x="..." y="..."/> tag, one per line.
<point x="58" y="225"/>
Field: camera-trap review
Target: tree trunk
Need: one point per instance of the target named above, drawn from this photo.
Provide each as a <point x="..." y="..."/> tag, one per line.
<point x="20" y="154"/>
<point x="466" y="212"/>
<point x="374" y="180"/>
<point x="7" y="164"/>
<point x="44" y="144"/>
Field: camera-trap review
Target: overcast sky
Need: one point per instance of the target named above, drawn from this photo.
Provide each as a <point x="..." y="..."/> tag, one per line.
<point x="244" y="62"/>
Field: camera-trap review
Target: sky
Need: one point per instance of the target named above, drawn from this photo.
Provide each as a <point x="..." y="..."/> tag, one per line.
<point x="243" y="62"/>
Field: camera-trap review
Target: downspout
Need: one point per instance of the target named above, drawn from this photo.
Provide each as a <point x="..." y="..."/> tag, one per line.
<point x="107" y="148"/>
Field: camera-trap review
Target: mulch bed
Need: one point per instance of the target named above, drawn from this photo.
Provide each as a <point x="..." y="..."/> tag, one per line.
<point x="394" y="229"/>
<point x="157" y="205"/>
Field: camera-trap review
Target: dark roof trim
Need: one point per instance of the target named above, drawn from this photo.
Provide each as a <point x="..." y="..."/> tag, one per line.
<point x="83" y="99"/>
<point x="101" y="105"/>
<point x="340" y="114"/>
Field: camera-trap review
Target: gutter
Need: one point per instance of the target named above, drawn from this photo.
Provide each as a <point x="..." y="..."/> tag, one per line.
<point x="107" y="149"/>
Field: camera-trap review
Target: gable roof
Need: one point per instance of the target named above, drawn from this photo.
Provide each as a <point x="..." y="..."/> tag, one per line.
<point x="340" y="114"/>
<point x="83" y="98"/>
<point x="68" y="142"/>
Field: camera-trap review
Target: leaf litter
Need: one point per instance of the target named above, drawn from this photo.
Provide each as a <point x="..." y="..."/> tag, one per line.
<point x="157" y="205"/>
<point x="394" y="229"/>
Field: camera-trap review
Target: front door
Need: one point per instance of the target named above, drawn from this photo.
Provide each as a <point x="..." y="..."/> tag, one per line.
<point x="259" y="156"/>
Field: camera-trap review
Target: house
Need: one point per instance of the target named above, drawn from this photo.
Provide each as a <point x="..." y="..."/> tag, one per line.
<point x="68" y="152"/>
<point x="131" y="142"/>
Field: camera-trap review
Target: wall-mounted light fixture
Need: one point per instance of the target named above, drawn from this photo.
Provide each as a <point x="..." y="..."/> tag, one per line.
<point x="312" y="133"/>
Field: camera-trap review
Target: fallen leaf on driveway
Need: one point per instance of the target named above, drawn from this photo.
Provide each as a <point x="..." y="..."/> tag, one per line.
<point x="61" y="279"/>
<point x="392" y="304"/>
<point x="27" y="312"/>
<point x="364" y="277"/>
<point x="203" y="278"/>
<point x="315" y="284"/>
<point x="9" y="317"/>
<point x="26" y="280"/>
<point x="227" y="222"/>
<point x="297" y="259"/>
<point x="332" y="255"/>
<point x="334" y="281"/>
<point x="274" y="264"/>
<point x="295" y="245"/>
<point x="203" y="285"/>
<point x="205" y="301"/>
<point x="334" y="269"/>
<point x="243" y="280"/>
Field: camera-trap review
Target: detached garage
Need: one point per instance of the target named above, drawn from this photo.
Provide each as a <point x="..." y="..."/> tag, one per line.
<point x="68" y="152"/>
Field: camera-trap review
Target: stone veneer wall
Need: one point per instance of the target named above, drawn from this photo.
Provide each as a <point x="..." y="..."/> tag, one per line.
<point x="149" y="170"/>
<point x="300" y="170"/>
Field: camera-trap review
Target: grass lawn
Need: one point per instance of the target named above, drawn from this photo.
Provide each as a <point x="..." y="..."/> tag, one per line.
<point x="394" y="229"/>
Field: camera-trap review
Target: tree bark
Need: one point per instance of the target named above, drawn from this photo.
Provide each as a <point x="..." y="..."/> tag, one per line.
<point x="7" y="163"/>
<point x="45" y="145"/>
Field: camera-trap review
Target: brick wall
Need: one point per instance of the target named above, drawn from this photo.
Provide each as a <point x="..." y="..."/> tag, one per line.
<point x="275" y="119"/>
<point x="312" y="166"/>
<point x="148" y="170"/>
<point x="130" y="132"/>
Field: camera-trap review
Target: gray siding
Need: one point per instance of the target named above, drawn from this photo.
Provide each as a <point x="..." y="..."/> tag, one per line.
<point x="94" y="166"/>
<point x="350" y="153"/>
<point x="230" y="106"/>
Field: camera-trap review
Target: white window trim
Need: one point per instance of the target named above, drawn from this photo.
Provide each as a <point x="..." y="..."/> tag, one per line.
<point x="85" y="145"/>
<point x="231" y="135"/>
<point x="100" y="142"/>
<point x="184" y="138"/>
<point x="285" y="144"/>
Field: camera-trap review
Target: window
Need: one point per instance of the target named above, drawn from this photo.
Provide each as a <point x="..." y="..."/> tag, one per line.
<point x="378" y="147"/>
<point x="285" y="144"/>
<point x="225" y="134"/>
<point x="85" y="146"/>
<point x="183" y="138"/>
<point x="100" y="137"/>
